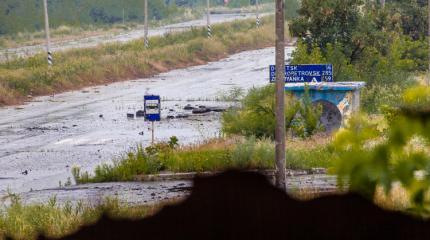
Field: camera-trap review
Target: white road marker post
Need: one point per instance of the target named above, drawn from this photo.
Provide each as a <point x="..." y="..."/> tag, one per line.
<point x="209" y="19"/>
<point x="257" y="13"/>
<point x="146" y="27"/>
<point x="48" y="38"/>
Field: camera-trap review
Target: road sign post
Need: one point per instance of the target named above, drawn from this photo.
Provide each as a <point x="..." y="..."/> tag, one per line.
<point x="152" y="106"/>
<point x="305" y="73"/>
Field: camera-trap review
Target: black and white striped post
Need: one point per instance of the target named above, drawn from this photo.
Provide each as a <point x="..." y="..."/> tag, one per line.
<point x="146" y="27"/>
<point x="257" y="13"/>
<point x="209" y="19"/>
<point x="48" y="39"/>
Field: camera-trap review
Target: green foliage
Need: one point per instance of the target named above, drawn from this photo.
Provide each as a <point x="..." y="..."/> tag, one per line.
<point x="256" y="117"/>
<point x="386" y="75"/>
<point x="309" y="116"/>
<point x="331" y="21"/>
<point x="245" y="154"/>
<point x="78" y="13"/>
<point x="308" y="158"/>
<point x="20" y="221"/>
<point x="369" y="158"/>
<point x="291" y="9"/>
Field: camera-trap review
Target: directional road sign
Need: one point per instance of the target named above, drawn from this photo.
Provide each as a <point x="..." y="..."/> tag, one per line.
<point x="305" y="73"/>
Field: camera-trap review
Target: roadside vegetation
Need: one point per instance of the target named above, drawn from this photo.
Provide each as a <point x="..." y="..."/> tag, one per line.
<point x="256" y="115"/>
<point x="77" y="19"/>
<point x="214" y="155"/>
<point x="393" y="153"/>
<point x="386" y="48"/>
<point x="26" y="222"/>
<point x="116" y="62"/>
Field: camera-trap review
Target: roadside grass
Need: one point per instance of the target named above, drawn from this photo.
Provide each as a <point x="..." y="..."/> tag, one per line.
<point x="314" y="152"/>
<point x="214" y="155"/>
<point x="19" y="221"/>
<point x="109" y="63"/>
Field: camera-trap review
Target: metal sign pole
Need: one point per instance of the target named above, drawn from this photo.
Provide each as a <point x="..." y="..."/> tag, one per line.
<point x="48" y="38"/>
<point x="152" y="133"/>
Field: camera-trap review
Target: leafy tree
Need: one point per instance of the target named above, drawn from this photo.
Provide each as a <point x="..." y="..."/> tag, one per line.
<point x="322" y="22"/>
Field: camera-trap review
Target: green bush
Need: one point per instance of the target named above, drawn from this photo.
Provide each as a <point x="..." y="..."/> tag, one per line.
<point x="250" y="153"/>
<point x="256" y="116"/>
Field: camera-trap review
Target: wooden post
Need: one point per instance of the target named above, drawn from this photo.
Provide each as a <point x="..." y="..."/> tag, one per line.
<point x="146" y="25"/>
<point x="428" y="77"/>
<point x="48" y="37"/>
<point x="280" y="96"/>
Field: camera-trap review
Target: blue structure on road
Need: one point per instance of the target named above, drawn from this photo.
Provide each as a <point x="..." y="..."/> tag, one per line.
<point x="152" y="105"/>
<point x="338" y="99"/>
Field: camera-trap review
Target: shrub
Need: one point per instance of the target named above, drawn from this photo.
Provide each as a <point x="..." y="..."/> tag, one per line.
<point x="256" y="117"/>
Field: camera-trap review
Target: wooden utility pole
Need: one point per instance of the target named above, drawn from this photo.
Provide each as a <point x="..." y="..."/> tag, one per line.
<point x="48" y="38"/>
<point x="280" y="96"/>
<point x="146" y="25"/>
<point x="428" y="77"/>
<point x="208" y="15"/>
<point x="257" y="13"/>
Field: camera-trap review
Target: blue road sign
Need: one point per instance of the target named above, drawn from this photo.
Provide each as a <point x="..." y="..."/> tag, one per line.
<point x="305" y="73"/>
<point x="152" y="108"/>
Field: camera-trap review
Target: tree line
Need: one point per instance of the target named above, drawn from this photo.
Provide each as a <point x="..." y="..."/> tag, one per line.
<point x="27" y="15"/>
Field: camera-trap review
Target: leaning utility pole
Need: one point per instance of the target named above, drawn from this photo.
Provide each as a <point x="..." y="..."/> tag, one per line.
<point x="209" y="19"/>
<point x="280" y="96"/>
<point x="146" y="25"/>
<point x="257" y="13"/>
<point x="48" y="38"/>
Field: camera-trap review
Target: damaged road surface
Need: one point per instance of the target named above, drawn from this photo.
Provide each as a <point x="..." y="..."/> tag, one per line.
<point x="41" y="141"/>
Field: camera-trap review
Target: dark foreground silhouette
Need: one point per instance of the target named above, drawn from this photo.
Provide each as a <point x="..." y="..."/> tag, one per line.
<point x="237" y="205"/>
